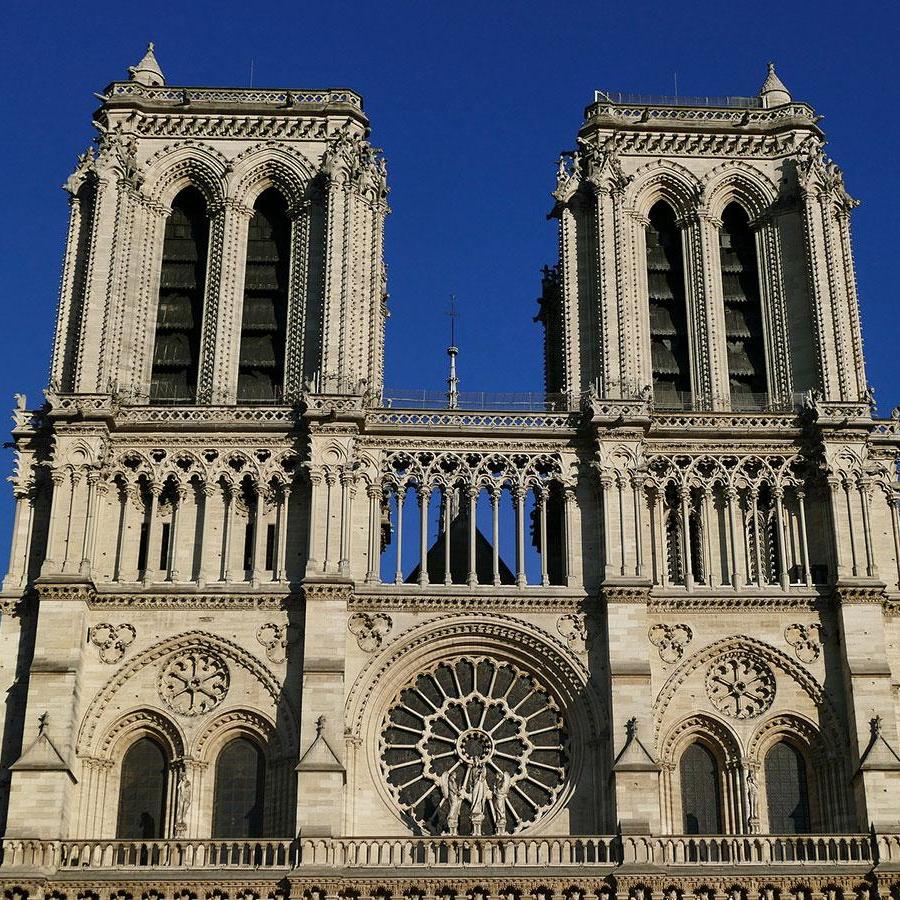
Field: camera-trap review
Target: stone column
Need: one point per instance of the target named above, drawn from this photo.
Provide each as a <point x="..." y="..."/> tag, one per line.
<point x="279" y="570"/>
<point x="59" y="478"/>
<point x="424" y="500"/>
<point x="684" y="493"/>
<point x="398" y="574"/>
<point x="472" y="494"/>
<point x="259" y="536"/>
<point x="373" y="571"/>
<point x="783" y="574"/>
<point x="174" y="573"/>
<point x="17" y="572"/>
<point x="731" y="497"/>
<point x="90" y="522"/>
<point x="865" y="498"/>
<point x="348" y="491"/>
<point x="229" y="497"/>
<point x="804" y="540"/>
<point x="208" y="491"/>
<point x="448" y="573"/>
<point x="519" y="496"/>
<point x="152" y="526"/>
<point x="542" y="499"/>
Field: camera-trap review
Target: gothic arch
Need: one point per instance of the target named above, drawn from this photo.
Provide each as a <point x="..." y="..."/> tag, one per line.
<point x="238" y="723"/>
<point x="714" y="733"/>
<point x="737" y="181"/>
<point x="791" y="726"/>
<point x="229" y="650"/>
<point x="269" y="165"/>
<point x="798" y="674"/>
<point x="188" y="165"/>
<point x="558" y="671"/>
<point x="663" y="179"/>
<point x="135" y="724"/>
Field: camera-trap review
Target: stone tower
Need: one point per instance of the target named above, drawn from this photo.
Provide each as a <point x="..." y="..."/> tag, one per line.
<point x="269" y="631"/>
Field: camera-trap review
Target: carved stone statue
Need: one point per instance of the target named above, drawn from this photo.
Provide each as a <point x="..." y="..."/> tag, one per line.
<point x="502" y="784"/>
<point x="478" y="795"/>
<point x="451" y="789"/>
<point x="753" y="802"/>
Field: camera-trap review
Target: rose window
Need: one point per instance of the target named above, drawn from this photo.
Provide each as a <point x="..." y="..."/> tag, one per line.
<point x="193" y="683"/>
<point x="473" y="746"/>
<point x="740" y="685"/>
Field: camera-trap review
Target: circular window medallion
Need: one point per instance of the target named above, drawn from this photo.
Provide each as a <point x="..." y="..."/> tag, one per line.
<point x="473" y="746"/>
<point x="194" y="683"/>
<point x="740" y="686"/>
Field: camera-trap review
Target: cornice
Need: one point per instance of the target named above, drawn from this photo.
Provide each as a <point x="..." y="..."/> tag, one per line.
<point x="485" y="599"/>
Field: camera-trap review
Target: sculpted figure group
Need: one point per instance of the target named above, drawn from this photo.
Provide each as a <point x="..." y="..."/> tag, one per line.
<point x="481" y="793"/>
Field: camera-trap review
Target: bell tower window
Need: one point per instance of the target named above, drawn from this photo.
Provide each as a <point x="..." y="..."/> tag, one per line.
<point x="179" y="316"/>
<point x="668" y="316"/>
<point x="743" y="309"/>
<point x="264" y="324"/>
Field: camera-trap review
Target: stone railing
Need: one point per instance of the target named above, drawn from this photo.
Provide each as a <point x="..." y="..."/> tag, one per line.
<point x="839" y="852"/>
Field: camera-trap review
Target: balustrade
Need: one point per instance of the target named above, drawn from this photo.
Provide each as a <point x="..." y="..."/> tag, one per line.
<point x="604" y="851"/>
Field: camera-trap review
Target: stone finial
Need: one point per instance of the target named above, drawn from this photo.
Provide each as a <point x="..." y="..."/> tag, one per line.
<point x="773" y="92"/>
<point x="147" y="71"/>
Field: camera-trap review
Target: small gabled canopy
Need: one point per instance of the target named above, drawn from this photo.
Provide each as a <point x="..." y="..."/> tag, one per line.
<point x="147" y="71"/>
<point x="773" y="92"/>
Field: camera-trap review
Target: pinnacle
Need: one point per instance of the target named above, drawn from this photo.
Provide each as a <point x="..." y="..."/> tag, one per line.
<point x="773" y="91"/>
<point x="147" y="71"/>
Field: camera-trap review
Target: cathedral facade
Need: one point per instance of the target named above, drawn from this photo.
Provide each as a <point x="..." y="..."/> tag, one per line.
<point x="270" y="630"/>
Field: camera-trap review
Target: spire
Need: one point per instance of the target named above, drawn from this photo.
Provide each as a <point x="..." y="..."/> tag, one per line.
<point x="147" y="71"/>
<point x="452" y="351"/>
<point x="773" y="92"/>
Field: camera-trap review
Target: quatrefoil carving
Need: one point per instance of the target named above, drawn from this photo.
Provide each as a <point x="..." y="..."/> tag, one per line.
<point x="274" y="638"/>
<point x="670" y="640"/>
<point x="112" y="640"/>
<point x="806" y="640"/>
<point x="370" y="630"/>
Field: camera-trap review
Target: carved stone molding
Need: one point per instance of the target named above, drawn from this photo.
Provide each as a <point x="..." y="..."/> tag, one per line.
<point x="200" y="602"/>
<point x="670" y="640"/>
<point x="740" y="685"/>
<point x="370" y="629"/>
<point x="574" y="629"/>
<point x="806" y="640"/>
<point x="532" y="600"/>
<point x="851" y="596"/>
<point x="112" y="640"/>
<point x="613" y="594"/>
<point x="274" y="638"/>
<point x="193" y="682"/>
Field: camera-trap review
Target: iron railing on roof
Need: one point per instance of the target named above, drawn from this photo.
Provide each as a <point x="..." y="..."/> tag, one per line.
<point x="619" y="97"/>
<point x="529" y="401"/>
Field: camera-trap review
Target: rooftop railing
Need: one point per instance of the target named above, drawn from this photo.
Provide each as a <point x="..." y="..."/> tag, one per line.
<point x="536" y="401"/>
<point x="626" y="99"/>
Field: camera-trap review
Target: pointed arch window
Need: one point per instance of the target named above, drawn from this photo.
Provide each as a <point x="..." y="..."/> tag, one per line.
<point x="743" y="307"/>
<point x="787" y="796"/>
<point x="182" y="288"/>
<point x="239" y="785"/>
<point x="701" y="803"/>
<point x="668" y="311"/>
<point x="264" y="322"/>
<point x="142" y="791"/>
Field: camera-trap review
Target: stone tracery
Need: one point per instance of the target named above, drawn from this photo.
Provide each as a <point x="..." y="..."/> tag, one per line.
<point x="474" y="745"/>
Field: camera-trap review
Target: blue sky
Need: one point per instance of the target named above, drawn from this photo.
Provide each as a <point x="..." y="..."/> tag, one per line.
<point x="472" y="103"/>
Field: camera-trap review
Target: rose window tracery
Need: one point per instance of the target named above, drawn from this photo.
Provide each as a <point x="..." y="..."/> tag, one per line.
<point x="740" y="686"/>
<point x="473" y="746"/>
<point x="194" y="683"/>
